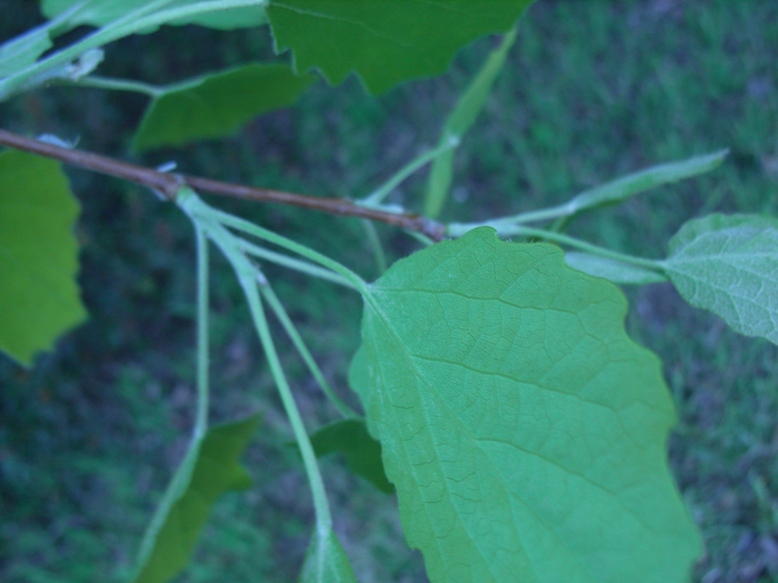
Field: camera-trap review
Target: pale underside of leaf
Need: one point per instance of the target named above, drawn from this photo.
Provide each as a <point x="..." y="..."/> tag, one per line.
<point x="729" y="265"/>
<point x="525" y="433"/>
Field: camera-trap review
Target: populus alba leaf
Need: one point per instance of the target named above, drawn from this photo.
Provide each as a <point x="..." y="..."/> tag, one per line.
<point x="209" y="469"/>
<point x="728" y="264"/>
<point x="326" y="561"/>
<point x="363" y="453"/>
<point x="24" y="50"/>
<point x="524" y="431"/>
<point x="459" y="121"/>
<point x="385" y="43"/>
<point x="218" y="104"/>
<point x="102" y="12"/>
<point x="39" y="297"/>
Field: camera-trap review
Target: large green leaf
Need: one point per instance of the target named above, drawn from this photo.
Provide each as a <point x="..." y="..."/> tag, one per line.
<point x="209" y="469"/>
<point x="459" y="121"/>
<point x="39" y="298"/>
<point x="326" y="561"/>
<point x="102" y="12"/>
<point x="385" y="43"/>
<point x="524" y="431"/>
<point x="728" y="264"/>
<point x="363" y="453"/>
<point x="218" y="104"/>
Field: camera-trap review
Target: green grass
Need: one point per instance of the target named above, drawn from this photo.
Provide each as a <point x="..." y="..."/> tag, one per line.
<point x="592" y="90"/>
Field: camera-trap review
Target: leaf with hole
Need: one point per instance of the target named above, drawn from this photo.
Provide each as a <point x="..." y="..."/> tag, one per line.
<point x="39" y="297"/>
<point x="209" y="469"/>
<point x="385" y="43"/>
<point x="218" y="104"/>
<point x="728" y="264"/>
<point x="524" y="431"/>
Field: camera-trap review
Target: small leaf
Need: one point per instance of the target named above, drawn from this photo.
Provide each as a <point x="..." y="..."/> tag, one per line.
<point x="209" y="469"/>
<point x="218" y="104"/>
<point x="459" y="121"/>
<point x="385" y="43"/>
<point x="524" y="431"/>
<point x="632" y="184"/>
<point x="39" y="298"/>
<point x="326" y="561"/>
<point x="363" y="453"/>
<point x="102" y="12"/>
<point x="728" y="264"/>
<point x="612" y="270"/>
<point x="24" y="50"/>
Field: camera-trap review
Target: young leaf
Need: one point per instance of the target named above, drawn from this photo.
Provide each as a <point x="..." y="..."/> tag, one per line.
<point x="218" y="104"/>
<point x="459" y="121"/>
<point x="385" y="43"/>
<point x="728" y="264"/>
<point x="524" y="431"/>
<point x="326" y="562"/>
<point x="612" y="270"/>
<point x="623" y="188"/>
<point x="209" y="469"/>
<point x="363" y="453"/>
<point x="39" y="298"/>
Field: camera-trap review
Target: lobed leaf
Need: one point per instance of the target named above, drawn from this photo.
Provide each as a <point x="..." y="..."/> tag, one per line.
<point x="209" y="469"/>
<point x="623" y="188"/>
<point x="612" y="270"/>
<point x="524" y="431"/>
<point x="363" y="453"/>
<point x="39" y="297"/>
<point x="459" y="121"/>
<point x="385" y="43"/>
<point x="728" y="264"/>
<point x="218" y="104"/>
<point x="326" y="562"/>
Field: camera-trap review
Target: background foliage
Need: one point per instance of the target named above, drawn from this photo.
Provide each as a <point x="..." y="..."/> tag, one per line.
<point x="592" y="90"/>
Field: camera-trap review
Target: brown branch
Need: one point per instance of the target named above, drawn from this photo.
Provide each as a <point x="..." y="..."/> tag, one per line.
<point x="169" y="184"/>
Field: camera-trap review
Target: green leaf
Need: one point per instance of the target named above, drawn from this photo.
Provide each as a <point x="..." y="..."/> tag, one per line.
<point x="39" y="298"/>
<point x="218" y="104"/>
<point x="326" y="561"/>
<point x="623" y="188"/>
<point x="459" y="121"/>
<point x="363" y="453"/>
<point x="102" y="12"/>
<point x="385" y="43"/>
<point x="209" y="469"/>
<point x="728" y="264"/>
<point x="23" y="50"/>
<point x="524" y="431"/>
<point x="612" y="270"/>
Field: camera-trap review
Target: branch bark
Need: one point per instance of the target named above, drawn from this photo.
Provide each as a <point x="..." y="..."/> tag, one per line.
<point x="169" y="184"/>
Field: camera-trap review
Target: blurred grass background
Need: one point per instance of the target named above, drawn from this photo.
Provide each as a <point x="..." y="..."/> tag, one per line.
<point x="592" y="90"/>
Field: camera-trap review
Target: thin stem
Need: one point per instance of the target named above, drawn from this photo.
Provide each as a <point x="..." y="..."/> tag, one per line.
<point x="502" y="224"/>
<point x="320" y="504"/>
<point x="387" y="187"/>
<point x="651" y="264"/>
<point x="292" y="263"/>
<point x="247" y="227"/>
<point x="201" y="425"/>
<point x="278" y="309"/>
<point x="169" y="185"/>
<point x="110" y="84"/>
<point x="375" y="244"/>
